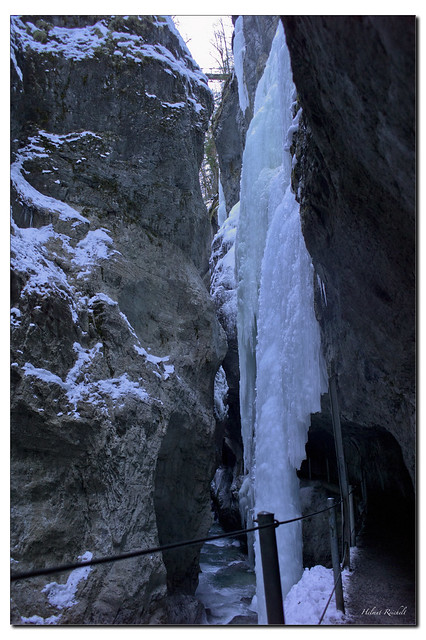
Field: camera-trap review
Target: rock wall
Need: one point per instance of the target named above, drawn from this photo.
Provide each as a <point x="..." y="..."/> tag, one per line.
<point x="355" y="177"/>
<point x="227" y="480"/>
<point x="115" y="343"/>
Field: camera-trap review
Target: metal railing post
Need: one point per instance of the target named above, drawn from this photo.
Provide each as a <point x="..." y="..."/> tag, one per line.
<point x="270" y="568"/>
<point x="332" y="519"/>
<point x="364" y="491"/>
<point x="352" y="516"/>
<point x="341" y="466"/>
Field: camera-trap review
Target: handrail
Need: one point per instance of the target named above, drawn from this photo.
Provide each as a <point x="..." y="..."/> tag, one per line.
<point x="331" y="595"/>
<point x="24" y="575"/>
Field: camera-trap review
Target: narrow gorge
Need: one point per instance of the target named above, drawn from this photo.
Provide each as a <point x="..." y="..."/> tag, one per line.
<point x="171" y="358"/>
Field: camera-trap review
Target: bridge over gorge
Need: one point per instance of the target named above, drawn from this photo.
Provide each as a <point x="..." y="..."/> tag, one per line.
<point x="217" y="74"/>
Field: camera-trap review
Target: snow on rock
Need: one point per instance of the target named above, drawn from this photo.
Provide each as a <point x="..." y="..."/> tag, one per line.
<point x="95" y="246"/>
<point x="220" y="395"/>
<point x="42" y="374"/>
<point x="78" y="386"/>
<point x="114" y="341"/>
<point x="27" y="194"/>
<point x="223" y="287"/>
<point x="41" y="621"/>
<point x="31" y="257"/>
<point x="38" y="254"/>
<point x="62" y="596"/>
<point x="15" y="315"/>
<point x="79" y="43"/>
<point x="161" y="369"/>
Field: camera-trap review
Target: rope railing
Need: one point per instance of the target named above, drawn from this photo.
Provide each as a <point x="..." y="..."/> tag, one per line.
<point x="331" y="595"/>
<point x="275" y="610"/>
<point x="126" y="556"/>
<point x="309" y="514"/>
<point x="337" y="566"/>
<point x="24" y="575"/>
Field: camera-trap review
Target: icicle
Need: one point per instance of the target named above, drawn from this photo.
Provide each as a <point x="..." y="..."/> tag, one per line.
<point x="239" y="50"/>
<point x="322" y="289"/>
<point x="281" y="378"/>
<point x="221" y="211"/>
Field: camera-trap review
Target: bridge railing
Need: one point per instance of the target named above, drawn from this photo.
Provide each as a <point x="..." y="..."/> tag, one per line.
<point x="217" y="74"/>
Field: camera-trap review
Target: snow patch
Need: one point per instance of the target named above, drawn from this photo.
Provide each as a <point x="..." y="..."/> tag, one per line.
<point x="38" y="620"/>
<point x="220" y="395"/>
<point x="77" y="386"/>
<point x="27" y="194"/>
<point x="103" y="298"/>
<point x="306" y="600"/>
<point x="62" y="596"/>
<point x="15" y="315"/>
<point x="95" y="246"/>
<point x="173" y="105"/>
<point x="164" y="371"/>
<point x="42" y="374"/>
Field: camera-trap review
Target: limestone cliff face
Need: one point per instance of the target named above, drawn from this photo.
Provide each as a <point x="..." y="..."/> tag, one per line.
<point x="355" y="178"/>
<point x="115" y="343"/>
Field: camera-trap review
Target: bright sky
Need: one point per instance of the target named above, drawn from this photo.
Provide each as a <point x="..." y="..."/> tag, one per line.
<point x="198" y="33"/>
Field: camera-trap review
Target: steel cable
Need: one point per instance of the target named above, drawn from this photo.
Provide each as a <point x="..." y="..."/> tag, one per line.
<point x="141" y="552"/>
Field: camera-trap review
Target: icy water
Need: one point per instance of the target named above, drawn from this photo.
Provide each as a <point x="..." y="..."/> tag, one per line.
<point x="227" y="584"/>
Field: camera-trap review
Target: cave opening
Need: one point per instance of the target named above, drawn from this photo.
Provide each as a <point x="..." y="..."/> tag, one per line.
<point x="384" y="497"/>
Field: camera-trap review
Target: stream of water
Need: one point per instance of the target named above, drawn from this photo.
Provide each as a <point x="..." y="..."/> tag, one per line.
<point x="227" y="584"/>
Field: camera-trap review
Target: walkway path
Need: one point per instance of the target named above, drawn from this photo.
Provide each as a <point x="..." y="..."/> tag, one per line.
<point x="381" y="590"/>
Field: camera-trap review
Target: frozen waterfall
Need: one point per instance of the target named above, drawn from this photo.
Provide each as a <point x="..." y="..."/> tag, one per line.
<point x="281" y="374"/>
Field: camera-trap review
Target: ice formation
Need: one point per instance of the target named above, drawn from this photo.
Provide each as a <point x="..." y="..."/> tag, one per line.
<point x="221" y="212"/>
<point x="281" y="377"/>
<point x="239" y="49"/>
